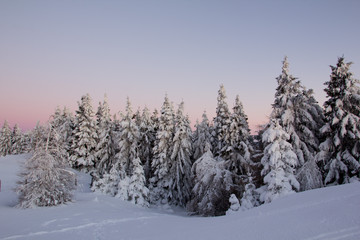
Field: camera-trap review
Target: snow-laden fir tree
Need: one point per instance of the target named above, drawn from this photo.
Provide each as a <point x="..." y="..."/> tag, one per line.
<point x="300" y="116"/>
<point x="26" y="145"/>
<point x="202" y="137"/>
<point x="279" y="162"/>
<point x="66" y="129"/>
<point x="155" y="120"/>
<point x="137" y="117"/>
<point x="238" y="151"/>
<point x="250" y="197"/>
<point x="160" y="183"/>
<point x="63" y="123"/>
<point x="57" y="118"/>
<point x="309" y="119"/>
<point x="234" y="204"/>
<point x="84" y="136"/>
<point x="221" y="124"/>
<point x="105" y="146"/>
<point x="128" y="151"/>
<point x="195" y="137"/>
<point x="146" y="141"/>
<point x="128" y="142"/>
<point x="38" y="136"/>
<point x="138" y="193"/>
<point x="132" y="186"/>
<point x="5" y="139"/>
<point x="181" y="160"/>
<point x="340" y="151"/>
<point x="46" y="179"/>
<point x="109" y="182"/>
<point x="284" y="108"/>
<point x="126" y="179"/>
<point x="18" y="141"/>
<point x="212" y="186"/>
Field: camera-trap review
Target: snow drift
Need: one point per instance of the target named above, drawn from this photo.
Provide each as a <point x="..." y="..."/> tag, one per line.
<point x="327" y="213"/>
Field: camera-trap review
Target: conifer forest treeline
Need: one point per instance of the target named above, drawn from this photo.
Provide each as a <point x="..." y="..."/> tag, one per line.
<point x="154" y="158"/>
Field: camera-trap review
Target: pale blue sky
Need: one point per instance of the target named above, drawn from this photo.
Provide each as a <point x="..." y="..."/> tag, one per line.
<point x="53" y="52"/>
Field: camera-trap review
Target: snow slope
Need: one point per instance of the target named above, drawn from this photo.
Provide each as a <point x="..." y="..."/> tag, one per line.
<point x="328" y="213"/>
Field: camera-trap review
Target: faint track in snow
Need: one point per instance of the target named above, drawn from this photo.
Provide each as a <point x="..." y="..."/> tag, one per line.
<point x="88" y="225"/>
<point x="53" y="221"/>
<point x="346" y="233"/>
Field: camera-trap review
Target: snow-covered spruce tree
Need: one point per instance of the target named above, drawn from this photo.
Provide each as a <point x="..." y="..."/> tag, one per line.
<point x="180" y="171"/>
<point x="137" y="117"/>
<point x="26" y="144"/>
<point x="127" y="174"/>
<point x="56" y="119"/>
<point x="284" y="108"/>
<point x="61" y="123"/>
<point x="300" y="116"/>
<point x="17" y="141"/>
<point x="234" y="204"/>
<point x="138" y="193"/>
<point x="250" y="197"/>
<point x="221" y="124"/>
<point x="38" y="136"/>
<point x="160" y="183"/>
<point x="212" y="186"/>
<point x="155" y="120"/>
<point x="202" y="137"/>
<point x="128" y="142"/>
<point x="5" y="140"/>
<point x="46" y="180"/>
<point x="146" y="142"/>
<point x="340" y="151"/>
<point x="279" y="162"/>
<point x="195" y="137"/>
<point x="238" y="151"/>
<point x="105" y="147"/>
<point x="309" y="119"/>
<point x="84" y="137"/>
<point x="127" y="145"/>
<point x="67" y="131"/>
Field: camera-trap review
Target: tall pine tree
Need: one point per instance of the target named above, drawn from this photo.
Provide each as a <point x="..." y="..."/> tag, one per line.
<point x="18" y="141"/>
<point x="300" y="117"/>
<point x="160" y="183"/>
<point x="239" y="147"/>
<point x="5" y="139"/>
<point x="181" y="162"/>
<point x="105" y="146"/>
<point x="279" y="162"/>
<point x="126" y="179"/>
<point x="85" y="136"/>
<point x="66" y="129"/>
<point x="146" y="141"/>
<point x="221" y="124"/>
<point x="202" y="137"/>
<point x="340" y="151"/>
<point x="38" y="136"/>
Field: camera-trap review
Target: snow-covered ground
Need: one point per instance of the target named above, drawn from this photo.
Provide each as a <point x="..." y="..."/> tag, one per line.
<point x="328" y="213"/>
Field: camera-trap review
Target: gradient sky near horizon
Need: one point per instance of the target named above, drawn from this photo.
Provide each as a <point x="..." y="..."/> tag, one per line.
<point x="53" y="52"/>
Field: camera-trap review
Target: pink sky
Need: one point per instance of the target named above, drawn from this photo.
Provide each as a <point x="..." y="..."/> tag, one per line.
<point x="53" y="52"/>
